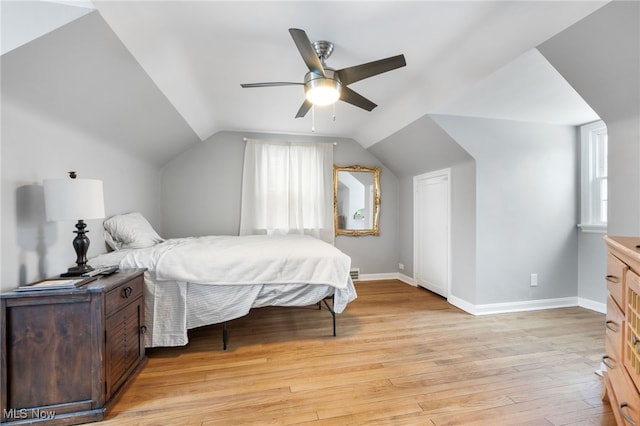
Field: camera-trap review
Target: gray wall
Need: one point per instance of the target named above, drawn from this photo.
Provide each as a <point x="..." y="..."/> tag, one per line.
<point x="600" y="57"/>
<point x="463" y="232"/>
<point x="463" y="228"/>
<point x="75" y="99"/>
<point x="422" y="147"/>
<point x="505" y="225"/>
<point x="526" y="206"/>
<point x="592" y="267"/>
<point x="201" y="195"/>
<point x="36" y="147"/>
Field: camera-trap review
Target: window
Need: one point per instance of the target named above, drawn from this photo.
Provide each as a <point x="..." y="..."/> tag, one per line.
<point x="287" y="188"/>
<point x="593" y="138"/>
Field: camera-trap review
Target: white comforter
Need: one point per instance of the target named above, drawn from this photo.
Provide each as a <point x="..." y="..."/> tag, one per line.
<point x="254" y="259"/>
<point x="198" y="281"/>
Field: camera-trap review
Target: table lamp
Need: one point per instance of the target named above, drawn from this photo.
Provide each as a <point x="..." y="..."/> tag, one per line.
<point x="75" y="199"/>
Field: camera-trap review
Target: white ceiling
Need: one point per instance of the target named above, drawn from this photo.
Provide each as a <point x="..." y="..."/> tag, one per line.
<point x="473" y="58"/>
<point x="526" y="89"/>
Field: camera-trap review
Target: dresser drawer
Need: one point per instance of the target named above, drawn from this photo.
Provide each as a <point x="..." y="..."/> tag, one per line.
<point x="625" y="402"/>
<point x="614" y="329"/>
<point x="615" y="279"/>
<point x="124" y="294"/>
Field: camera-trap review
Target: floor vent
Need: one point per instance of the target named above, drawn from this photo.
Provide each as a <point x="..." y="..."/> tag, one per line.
<point x="355" y="274"/>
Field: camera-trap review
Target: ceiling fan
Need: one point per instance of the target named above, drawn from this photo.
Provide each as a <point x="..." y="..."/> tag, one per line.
<point x="322" y="84"/>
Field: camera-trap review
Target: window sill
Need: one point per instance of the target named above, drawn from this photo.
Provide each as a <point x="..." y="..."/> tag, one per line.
<point x="593" y="229"/>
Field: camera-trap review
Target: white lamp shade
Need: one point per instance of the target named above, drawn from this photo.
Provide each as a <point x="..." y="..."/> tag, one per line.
<point x="73" y="199"/>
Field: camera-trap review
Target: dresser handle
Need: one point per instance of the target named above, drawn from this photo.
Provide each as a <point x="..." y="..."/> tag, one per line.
<point x="610" y="327"/>
<point x="143" y="329"/>
<point x="126" y="292"/>
<point x="604" y="361"/>
<point x="625" y="415"/>
<point x="612" y="279"/>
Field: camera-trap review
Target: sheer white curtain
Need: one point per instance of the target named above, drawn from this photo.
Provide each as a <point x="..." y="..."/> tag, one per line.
<point x="287" y="188"/>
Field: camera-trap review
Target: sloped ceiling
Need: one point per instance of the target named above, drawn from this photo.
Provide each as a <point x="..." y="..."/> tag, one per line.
<point x="526" y="89"/>
<point x="25" y="21"/>
<point x="82" y="77"/>
<point x="198" y="52"/>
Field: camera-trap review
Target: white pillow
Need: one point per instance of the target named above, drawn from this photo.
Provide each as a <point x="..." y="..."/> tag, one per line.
<point x="130" y="230"/>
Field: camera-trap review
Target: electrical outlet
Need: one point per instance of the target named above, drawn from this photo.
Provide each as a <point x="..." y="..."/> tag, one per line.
<point x="534" y="280"/>
<point x="401" y="266"/>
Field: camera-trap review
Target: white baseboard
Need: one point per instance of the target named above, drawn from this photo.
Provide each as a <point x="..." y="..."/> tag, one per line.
<point x="388" y="276"/>
<point x="501" y="308"/>
<point x="592" y="305"/>
<point x="378" y="277"/>
<point x="462" y="304"/>
<point x="528" y="305"/>
<point x="498" y="308"/>
<point x="407" y="279"/>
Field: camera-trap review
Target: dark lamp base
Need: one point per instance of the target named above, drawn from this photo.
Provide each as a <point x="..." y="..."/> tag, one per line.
<point x="81" y="246"/>
<point x="77" y="271"/>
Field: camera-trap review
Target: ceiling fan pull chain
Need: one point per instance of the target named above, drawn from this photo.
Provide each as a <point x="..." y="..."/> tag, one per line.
<point x="333" y="117"/>
<point x="313" y="118"/>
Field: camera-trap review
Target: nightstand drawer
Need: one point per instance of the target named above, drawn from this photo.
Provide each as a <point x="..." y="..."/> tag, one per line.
<point x="124" y="294"/>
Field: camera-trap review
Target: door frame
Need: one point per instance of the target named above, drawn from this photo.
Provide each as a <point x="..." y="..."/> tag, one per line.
<point x="446" y="174"/>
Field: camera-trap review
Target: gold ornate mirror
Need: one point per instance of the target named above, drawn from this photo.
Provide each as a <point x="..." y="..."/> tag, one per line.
<point x="356" y="200"/>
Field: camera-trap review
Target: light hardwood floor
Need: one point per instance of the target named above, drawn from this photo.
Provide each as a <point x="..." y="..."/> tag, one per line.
<point x="403" y="356"/>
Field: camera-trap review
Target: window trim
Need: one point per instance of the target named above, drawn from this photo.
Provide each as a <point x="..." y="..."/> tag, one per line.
<point x="587" y="177"/>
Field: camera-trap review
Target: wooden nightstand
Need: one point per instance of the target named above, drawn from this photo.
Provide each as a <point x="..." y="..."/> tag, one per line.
<point x="67" y="354"/>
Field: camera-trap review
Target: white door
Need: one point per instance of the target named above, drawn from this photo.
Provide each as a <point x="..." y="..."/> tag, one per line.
<point x="431" y="220"/>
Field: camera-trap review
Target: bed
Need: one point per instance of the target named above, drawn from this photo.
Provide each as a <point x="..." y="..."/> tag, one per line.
<point x="198" y="281"/>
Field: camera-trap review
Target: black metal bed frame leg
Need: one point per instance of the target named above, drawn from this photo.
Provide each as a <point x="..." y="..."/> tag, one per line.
<point x="225" y="336"/>
<point x="333" y="314"/>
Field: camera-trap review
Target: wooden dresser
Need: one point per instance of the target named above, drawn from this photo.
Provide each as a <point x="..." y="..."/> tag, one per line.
<point x="67" y="354"/>
<point x="622" y="329"/>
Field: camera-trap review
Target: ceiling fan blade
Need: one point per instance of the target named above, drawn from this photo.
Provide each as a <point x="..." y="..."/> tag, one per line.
<point x="359" y="72"/>
<point x="309" y="55"/>
<point x="351" y="97"/>
<point x="304" y="108"/>
<point x="273" y="84"/>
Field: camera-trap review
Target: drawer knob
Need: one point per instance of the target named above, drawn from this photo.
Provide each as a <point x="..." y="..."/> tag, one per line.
<point x="612" y="279"/>
<point x="605" y="360"/>
<point x="609" y="325"/>
<point x="628" y="419"/>
<point x="126" y="292"/>
<point x="143" y="329"/>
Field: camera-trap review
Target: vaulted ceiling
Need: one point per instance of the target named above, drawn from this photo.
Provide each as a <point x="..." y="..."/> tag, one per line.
<point x="474" y="58"/>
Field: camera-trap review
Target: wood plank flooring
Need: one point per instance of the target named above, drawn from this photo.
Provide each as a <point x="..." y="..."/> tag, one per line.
<point x="403" y="356"/>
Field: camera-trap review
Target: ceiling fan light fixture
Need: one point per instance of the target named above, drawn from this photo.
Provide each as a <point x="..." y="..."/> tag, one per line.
<point x="323" y="85"/>
<point x="320" y="90"/>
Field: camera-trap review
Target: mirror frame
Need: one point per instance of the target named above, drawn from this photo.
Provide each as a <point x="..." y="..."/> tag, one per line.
<point x="376" y="200"/>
